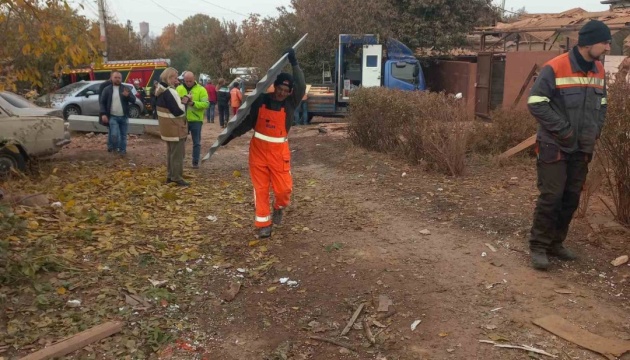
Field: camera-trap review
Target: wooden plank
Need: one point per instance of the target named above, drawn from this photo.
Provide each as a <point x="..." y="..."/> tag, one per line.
<point x="77" y="341"/>
<point x="610" y="348"/>
<point x="353" y="319"/>
<point x="530" y="141"/>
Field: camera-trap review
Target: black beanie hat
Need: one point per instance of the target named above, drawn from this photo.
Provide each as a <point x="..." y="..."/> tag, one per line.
<point x="593" y="32"/>
<point x="284" y="79"/>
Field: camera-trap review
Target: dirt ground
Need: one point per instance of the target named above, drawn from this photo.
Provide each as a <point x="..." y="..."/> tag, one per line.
<point x="450" y="252"/>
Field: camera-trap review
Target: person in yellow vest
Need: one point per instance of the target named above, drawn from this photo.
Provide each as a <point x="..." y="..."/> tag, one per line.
<point x="195" y="97"/>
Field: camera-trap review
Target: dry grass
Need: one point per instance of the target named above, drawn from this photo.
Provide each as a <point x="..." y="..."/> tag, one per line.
<point x="507" y="129"/>
<point x="418" y="126"/>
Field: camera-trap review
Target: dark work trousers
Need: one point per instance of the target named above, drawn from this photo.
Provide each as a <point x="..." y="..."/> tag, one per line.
<point x="561" y="177"/>
<point x="224" y="114"/>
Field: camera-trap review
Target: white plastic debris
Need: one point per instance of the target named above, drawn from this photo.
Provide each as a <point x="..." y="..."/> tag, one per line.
<point x="189" y="270"/>
<point x="56" y="204"/>
<point x="404" y="174"/>
<point x="157" y="283"/>
<point x="458" y="96"/>
<point x="284" y="280"/>
<point x="212" y="218"/>
<point x="73" y="303"/>
<point x="483" y="254"/>
<point x="241" y="270"/>
<point x="425" y="232"/>
<point x="415" y="324"/>
<point x="292" y="283"/>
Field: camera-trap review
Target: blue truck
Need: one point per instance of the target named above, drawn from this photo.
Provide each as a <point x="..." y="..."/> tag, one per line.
<point x="362" y="61"/>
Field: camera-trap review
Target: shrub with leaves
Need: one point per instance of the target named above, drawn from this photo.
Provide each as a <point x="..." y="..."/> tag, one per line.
<point x="414" y="125"/>
<point x="615" y="147"/>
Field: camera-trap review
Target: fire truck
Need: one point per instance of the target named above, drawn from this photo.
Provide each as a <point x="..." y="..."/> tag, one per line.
<point x="143" y="71"/>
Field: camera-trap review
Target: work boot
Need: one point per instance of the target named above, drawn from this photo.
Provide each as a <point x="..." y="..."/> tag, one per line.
<point x="182" y="183"/>
<point x="168" y="180"/>
<point x="195" y="165"/>
<point x="540" y="260"/>
<point x="265" y="232"/>
<point x="561" y="253"/>
<point x="277" y="216"/>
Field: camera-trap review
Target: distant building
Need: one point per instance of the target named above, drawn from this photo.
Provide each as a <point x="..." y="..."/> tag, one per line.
<point x="144" y="33"/>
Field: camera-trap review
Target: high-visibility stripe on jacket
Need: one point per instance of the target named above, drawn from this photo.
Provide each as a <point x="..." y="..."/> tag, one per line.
<point x="568" y="103"/>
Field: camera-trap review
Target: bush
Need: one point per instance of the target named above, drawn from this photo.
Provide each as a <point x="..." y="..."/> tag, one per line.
<point x="414" y="125"/>
<point x="507" y="129"/>
<point x="615" y="147"/>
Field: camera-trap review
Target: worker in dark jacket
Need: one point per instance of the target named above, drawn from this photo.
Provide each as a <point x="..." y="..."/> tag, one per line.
<point x="223" y="99"/>
<point x="271" y="117"/>
<point x="114" y="110"/>
<point x="569" y="102"/>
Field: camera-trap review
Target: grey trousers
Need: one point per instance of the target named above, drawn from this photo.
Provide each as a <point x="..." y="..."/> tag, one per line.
<point x="175" y="152"/>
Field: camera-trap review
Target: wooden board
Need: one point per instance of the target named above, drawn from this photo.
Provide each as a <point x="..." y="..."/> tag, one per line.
<point x="77" y="341"/>
<point x="530" y="141"/>
<point x="610" y="348"/>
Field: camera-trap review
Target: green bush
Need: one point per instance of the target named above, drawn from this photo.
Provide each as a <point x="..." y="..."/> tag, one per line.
<point x="414" y="125"/>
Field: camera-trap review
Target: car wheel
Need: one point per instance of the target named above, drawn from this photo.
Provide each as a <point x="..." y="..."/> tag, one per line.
<point x="134" y="112"/>
<point x="71" y="110"/>
<point x="8" y="160"/>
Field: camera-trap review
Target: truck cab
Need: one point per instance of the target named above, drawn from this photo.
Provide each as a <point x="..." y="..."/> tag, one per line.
<point x="363" y="61"/>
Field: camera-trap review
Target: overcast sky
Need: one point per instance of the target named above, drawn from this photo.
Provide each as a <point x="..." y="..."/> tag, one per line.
<point x="159" y="13"/>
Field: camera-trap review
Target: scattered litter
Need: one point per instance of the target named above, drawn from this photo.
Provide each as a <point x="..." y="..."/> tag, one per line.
<point x="384" y="303"/>
<point x="415" y="324"/>
<point x="292" y="283"/>
<point x="610" y="348"/>
<point x="284" y="280"/>
<point x="404" y="174"/>
<point x="241" y="270"/>
<point x="425" y="232"/>
<point x="491" y="247"/>
<point x="497" y="309"/>
<point x="189" y="270"/>
<point x="483" y="254"/>
<point x="231" y="292"/>
<point x="56" y="204"/>
<point x="73" y="303"/>
<point x="620" y="260"/>
<point x="212" y="218"/>
<point x="354" y="317"/>
<point x="158" y="283"/>
<point x="522" y="347"/>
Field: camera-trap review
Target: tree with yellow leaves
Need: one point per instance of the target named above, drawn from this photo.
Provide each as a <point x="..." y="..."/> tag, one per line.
<point x="40" y="40"/>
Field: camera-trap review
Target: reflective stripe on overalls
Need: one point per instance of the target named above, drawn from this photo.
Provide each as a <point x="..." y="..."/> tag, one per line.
<point x="270" y="163"/>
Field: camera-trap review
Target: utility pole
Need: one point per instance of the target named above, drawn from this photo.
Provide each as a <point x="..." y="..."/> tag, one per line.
<point x="101" y="19"/>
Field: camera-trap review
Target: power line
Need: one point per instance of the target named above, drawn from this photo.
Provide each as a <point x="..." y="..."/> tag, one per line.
<point x="226" y="9"/>
<point x="165" y="9"/>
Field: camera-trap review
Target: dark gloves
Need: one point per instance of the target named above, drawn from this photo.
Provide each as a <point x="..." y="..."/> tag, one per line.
<point x="291" y="56"/>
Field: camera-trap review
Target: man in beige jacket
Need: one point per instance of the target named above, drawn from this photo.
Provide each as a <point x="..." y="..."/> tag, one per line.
<point x="173" y="125"/>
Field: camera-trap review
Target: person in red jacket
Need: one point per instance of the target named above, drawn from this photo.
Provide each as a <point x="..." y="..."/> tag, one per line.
<point x="212" y="98"/>
<point x="271" y="117"/>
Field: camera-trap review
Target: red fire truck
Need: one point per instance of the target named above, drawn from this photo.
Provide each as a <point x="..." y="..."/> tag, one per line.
<point x="144" y="71"/>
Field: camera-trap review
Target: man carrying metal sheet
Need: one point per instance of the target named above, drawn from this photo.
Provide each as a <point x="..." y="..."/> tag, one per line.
<point x="271" y="117"/>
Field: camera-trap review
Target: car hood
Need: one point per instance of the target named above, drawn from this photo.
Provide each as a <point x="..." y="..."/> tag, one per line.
<point x="33" y="112"/>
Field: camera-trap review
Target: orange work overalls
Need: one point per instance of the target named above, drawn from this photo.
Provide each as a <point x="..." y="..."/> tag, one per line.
<point x="270" y="163"/>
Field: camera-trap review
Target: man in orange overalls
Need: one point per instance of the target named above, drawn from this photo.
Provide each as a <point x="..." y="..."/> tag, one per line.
<point x="271" y="117"/>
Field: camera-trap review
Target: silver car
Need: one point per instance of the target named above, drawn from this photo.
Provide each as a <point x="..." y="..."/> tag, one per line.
<point x="81" y="98"/>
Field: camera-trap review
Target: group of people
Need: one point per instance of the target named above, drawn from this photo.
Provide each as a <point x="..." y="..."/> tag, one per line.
<point x="180" y="110"/>
<point x="225" y="99"/>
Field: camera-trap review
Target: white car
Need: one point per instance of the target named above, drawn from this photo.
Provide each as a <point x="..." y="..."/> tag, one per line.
<point x="81" y="98"/>
<point x="28" y="131"/>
